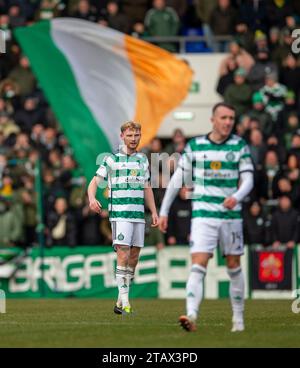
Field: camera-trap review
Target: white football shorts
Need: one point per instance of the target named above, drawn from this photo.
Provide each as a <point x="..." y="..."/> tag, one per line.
<point x="207" y="235"/>
<point x="128" y="233"/>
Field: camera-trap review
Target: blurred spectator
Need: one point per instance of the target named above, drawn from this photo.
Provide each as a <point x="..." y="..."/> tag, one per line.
<point x="252" y="15"/>
<point x="284" y="48"/>
<point x="255" y="225"/>
<point x="180" y="219"/>
<point x="162" y="21"/>
<point x="17" y="19"/>
<point x="274" y="40"/>
<point x="222" y="23"/>
<point x="238" y="94"/>
<point x="257" y="148"/>
<point x="27" y="196"/>
<point x="105" y="228"/>
<point x="178" y="142"/>
<point x="204" y="10"/>
<point x="226" y="75"/>
<point x="115" y="19"/>
<point x="278" y="11"/>
<point x="290" y="75"/>
<point x="268" y="176"/>
<point x="11" y="226"/>
<point x="23" y="77"/>
<point x="138" y="30"/>
<point x="274" y="94"/>
<point x="5" y="27"/>
<point x="291" y="127"/>
<point x="48" y="9"/>
<point x="258" y="112"/>
<point x="295" y="145"/>
<point x="262" y="66"/>
<point x="30" y="114"/>
<point x="135" y="10"/>
<point x="284" y="224"/>
<point x="292" y="170"/>
<point x="285" y="187"/>
<point x="273" y="144"/>
<point x="242" y="57"/>
<point x="89" y="227"/>
<point x="62" y="229"/>
<point x="153" y="236"/>
<point x="85" y="11"/>
<point x="7" y="126"/>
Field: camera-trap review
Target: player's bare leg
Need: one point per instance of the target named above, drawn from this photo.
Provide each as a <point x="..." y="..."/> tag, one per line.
<point x="194" y="290"/>
<point x="237" y="290"/>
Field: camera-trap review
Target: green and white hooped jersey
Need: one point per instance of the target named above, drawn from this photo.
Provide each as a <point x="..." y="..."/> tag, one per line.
<point x="215" y="170"/>
<point x="126" y="175"/>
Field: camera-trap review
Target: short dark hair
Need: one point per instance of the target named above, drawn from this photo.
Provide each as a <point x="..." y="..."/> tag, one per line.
<point x="222" y="104"/>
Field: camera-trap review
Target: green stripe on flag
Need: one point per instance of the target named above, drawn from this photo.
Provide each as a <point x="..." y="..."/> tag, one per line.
<point x="60" y="87"/>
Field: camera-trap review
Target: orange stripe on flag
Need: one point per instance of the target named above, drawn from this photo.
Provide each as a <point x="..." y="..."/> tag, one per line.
<point x="162" y="83"/>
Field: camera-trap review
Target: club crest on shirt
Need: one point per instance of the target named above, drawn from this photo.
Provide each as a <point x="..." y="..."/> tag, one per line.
<point x="230" y="156"/>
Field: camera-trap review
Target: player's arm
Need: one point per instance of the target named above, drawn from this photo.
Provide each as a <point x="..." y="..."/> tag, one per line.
<point x="246" y="170"/>
<point x="150" y="202"/>
<point x="170" y="194"/>
<point x="244" y="189"/>
<point x="101" y="174"/>
<point x="92" y="190"/>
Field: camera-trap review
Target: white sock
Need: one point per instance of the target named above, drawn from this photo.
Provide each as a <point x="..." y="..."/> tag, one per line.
<point x="130" y="275"/>
<point x="129" y="280"/>
<point x="237" y="290"/>
<point x="121" y="273"/>
<point x="194" y="290"/>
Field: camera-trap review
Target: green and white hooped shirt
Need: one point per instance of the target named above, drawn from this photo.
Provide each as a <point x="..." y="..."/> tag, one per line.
<point x="215" y="172"/>
<point x="126" y="175"/>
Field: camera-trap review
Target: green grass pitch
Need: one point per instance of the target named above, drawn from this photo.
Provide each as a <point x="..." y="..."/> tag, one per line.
<point x="91" y="323"/>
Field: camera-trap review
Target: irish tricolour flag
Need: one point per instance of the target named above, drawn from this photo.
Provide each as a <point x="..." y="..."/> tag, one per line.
<point x="95" y="78"/>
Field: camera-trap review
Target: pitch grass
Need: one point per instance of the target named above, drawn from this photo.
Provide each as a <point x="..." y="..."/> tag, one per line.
<point x="91" y="323"/>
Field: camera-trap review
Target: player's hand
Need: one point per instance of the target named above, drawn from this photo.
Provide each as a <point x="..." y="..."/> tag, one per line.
<point x="172" y="240"/>
<point x="95" y="205"/>
<point x="290" y="244"/>
<point x="155" y="220"/>
<point x="230" y="203"/>
<point x="163" y="223"/>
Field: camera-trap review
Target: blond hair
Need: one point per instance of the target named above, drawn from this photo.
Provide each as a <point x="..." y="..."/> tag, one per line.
<point x="132" y="125"/>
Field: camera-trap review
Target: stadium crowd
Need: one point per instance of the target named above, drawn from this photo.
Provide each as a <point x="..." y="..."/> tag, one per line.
<point x="259" y="76"/>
